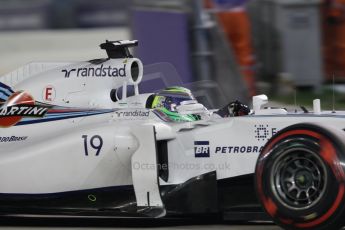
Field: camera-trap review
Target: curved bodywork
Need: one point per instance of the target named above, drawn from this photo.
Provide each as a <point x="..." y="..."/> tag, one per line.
<point x="69" y="146"/>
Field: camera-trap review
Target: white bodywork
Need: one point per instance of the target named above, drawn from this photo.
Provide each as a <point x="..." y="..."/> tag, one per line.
<point x="51" y="156"/>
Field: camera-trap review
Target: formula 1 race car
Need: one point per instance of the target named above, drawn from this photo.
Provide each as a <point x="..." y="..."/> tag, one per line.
<point x="74" y="144"/>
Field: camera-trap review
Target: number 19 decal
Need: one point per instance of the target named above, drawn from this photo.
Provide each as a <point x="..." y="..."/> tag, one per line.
<point x="96" y="142"/>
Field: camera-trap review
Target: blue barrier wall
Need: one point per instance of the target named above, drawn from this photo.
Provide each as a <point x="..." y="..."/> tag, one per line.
<point x="163" y="37"/>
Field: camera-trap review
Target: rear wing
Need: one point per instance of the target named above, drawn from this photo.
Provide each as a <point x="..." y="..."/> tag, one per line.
<point x="119" y="49"/>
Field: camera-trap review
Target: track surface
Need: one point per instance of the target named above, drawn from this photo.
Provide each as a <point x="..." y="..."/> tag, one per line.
<point x="82" y="224"/>
<point x="196" y="227"/>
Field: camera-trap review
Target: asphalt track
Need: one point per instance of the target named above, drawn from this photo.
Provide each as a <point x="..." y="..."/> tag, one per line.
<point x="122" y="224"/>
<point x="196" y="227"/>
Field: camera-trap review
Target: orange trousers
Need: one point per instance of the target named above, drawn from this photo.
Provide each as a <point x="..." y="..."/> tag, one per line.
<point x="238" y="32"/>
<point x="334" y="39"/>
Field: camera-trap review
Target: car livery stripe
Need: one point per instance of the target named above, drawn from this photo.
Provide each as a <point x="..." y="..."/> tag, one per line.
<point x="5" y="92"/>
<point x="49" y="114"/>
<point x="6" y="87"/>
<point x="67" y="110"/>
<point x="65" y="115"/>
<point x="3" y="95"/>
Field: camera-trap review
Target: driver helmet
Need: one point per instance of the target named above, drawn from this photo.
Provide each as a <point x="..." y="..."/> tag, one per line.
<point x="167" y="100"/>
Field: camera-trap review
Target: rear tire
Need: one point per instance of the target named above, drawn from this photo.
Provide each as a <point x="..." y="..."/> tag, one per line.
<point x="299" y="177"/>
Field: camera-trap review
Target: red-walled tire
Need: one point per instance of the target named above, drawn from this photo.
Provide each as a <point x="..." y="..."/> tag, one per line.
<point x="300" y="179"/>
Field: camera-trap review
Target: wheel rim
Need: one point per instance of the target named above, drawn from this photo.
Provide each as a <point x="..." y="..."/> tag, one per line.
<point x="299" y="178"/>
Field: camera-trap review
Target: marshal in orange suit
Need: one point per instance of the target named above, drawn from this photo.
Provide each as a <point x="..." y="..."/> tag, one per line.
<point x="334" y="38"/>
<point x="235" y="21"/>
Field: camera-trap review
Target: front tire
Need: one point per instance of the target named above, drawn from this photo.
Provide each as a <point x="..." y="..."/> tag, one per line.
<point x="300" y="178"/>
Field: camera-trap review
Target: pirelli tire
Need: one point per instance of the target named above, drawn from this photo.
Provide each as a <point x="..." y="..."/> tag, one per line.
<point x="300" y="179"/>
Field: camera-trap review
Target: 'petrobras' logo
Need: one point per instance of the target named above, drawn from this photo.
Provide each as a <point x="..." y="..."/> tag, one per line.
<point x="202" y="149"/>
